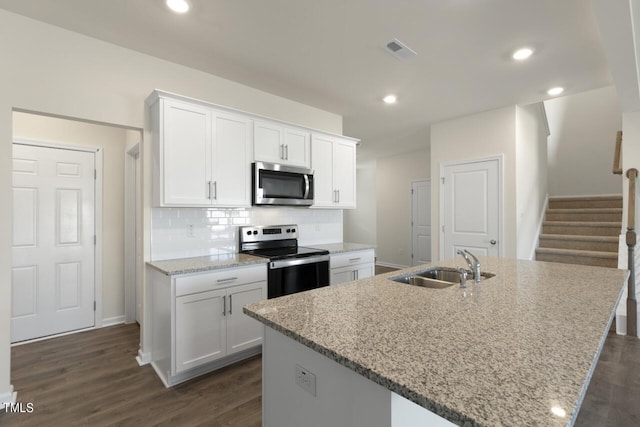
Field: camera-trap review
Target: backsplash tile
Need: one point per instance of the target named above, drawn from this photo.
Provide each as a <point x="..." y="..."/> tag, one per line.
<point x="215" y="231"/>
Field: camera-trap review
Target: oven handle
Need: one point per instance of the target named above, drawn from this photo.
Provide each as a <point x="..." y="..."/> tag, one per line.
<point x="298" y="261"/>
<point x="306" y="186"/>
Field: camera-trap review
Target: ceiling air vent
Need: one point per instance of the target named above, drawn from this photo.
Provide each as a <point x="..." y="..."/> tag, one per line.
<point x="400" y="50"/>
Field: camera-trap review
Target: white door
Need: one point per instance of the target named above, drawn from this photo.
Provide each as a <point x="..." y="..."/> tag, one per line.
<point x="471" y="208"/>
<point x="421" y="222"/>
<point x="297" y="147"/>
<point x="53" y="241"/>
<point x="231" y="160"/>
<point x="323" y="168"/>
<point x="344" y="173"/>
<point x="242" y="331"/>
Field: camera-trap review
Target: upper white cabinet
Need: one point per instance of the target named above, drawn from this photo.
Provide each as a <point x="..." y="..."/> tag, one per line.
<point x="201" y="155"/>
<point x="334" y="163"/>
<point x="275" y="143"/>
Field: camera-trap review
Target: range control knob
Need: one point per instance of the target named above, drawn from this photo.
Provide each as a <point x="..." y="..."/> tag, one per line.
<point x="293" y="230"/>
<point x="255" y="232"/>
<point x="249" y="233"/>
<point x="288" y="230"/>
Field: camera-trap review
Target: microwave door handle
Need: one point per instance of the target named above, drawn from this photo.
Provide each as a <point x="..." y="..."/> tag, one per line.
<point x="306" y="186"/>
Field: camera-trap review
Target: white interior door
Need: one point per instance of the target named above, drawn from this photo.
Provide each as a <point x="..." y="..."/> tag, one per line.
<point x="471" y="208"/>
<point x="53" y="241"/>
<point x="421" y="222"/>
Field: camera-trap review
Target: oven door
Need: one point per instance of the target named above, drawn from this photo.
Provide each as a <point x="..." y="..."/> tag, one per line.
<point x="297" y="275"/>
<point x="281" y="185"/>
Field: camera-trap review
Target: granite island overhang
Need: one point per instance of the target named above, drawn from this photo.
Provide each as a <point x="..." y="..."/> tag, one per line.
<point x="517" y="349"/>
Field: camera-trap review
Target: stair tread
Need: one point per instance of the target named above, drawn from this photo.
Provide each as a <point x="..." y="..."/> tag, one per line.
<point x="579" y="253"/>
<point x="576" y="198"/>
<point x="584" y="210"/>
<point x="579" y="237"/>
<point x="584" y="223"/>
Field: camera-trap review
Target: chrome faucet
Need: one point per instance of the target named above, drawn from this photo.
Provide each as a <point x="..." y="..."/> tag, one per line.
<point x="463" y="277"/>
<point x="474" y="265"/>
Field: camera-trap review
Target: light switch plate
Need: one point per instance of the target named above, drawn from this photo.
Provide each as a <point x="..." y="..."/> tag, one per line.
<point x="306" y="380"/>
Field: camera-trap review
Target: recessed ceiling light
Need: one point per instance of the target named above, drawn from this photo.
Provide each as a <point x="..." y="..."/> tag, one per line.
<point x="178" y="6"/>
<point x="390" y="99"/>
<point x="555" y="91"/>
<point x="522" y="54"/>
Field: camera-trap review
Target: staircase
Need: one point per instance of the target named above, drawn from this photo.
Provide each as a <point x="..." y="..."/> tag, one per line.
<point x="581" y="230"/>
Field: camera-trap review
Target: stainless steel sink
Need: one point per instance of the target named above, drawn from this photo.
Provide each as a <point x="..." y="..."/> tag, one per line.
<point x="436" y="277"/>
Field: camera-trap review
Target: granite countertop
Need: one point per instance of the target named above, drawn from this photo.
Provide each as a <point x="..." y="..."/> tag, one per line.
<point x="504" y="352"/>
<point x="173" y="267"/>
<point x="336" y="248"/>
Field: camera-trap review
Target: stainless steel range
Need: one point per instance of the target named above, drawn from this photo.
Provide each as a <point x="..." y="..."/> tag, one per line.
<point x="291" y="268"/>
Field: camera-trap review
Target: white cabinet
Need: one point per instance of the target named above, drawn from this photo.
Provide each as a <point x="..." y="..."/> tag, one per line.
<point x="350" y="266"/>
<point x="198" y="323"/>
<point x="201" y="155"/>
<point x="274" y="143"/>
<point x="334" y="163"/>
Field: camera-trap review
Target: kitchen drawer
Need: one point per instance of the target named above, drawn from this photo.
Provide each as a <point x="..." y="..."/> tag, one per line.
<point x="352" y="258"/>
<point x="219" y="279"/>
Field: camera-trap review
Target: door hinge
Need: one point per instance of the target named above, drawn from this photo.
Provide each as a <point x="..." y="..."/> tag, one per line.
<point x="442" y="180"/>
<point x="94" y="306"/>
<point x="95" y="240"/>
<point x="443" y="228"/>
<point x="412" y="191"/>
<point x="95" y="174"/>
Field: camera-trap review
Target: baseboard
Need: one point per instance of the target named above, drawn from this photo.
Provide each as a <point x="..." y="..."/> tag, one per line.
<point x="536" y="242"/>
<point x="112" y="321"/>
<point x="143" y="358"/>
<point x="390" y="265"/>
<point x="8" y="397"/>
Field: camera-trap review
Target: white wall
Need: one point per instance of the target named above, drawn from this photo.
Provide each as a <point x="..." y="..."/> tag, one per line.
<point x="112" y="142"/>
<point x="481" y="135"/>
<point x="51" y="70"/>
<point x="531" y="175"/>
<point x="360" y="223"/>
<point x="393" y="204"/>
<point x="582" y="142"/>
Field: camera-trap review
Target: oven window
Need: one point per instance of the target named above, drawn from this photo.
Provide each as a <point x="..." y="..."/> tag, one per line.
<point x="299" y="278"/>
<point x="282" y="185"/>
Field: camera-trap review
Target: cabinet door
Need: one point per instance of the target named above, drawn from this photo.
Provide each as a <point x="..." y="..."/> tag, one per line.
<point x="341" y="275"/>
<point x="297" y="148"/>
<point x="200" y="325"/>
<point x="363" y="271"/>
<point x="242" y="331"/>
<point x="322" y="165"/>
<point x="186" y="154"/>
<point x="231" y="173"/>
<point x="344" y="173"/>
<point x="268" y="142"/>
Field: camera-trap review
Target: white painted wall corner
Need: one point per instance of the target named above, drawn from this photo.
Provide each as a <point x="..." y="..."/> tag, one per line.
<point x="536" y="242"/>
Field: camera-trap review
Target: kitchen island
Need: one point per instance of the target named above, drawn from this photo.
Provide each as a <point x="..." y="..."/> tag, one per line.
<point x="517" y="349"/>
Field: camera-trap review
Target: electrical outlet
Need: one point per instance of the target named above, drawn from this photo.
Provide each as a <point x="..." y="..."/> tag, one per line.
<point x="190" y="232"/>
<point x="306" y="380"/>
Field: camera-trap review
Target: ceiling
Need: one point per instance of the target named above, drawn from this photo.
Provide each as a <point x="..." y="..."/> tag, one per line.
<point x="328" y="53"/>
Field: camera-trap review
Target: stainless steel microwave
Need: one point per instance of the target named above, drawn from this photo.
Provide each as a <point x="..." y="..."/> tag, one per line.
<point x="275" y="184"/>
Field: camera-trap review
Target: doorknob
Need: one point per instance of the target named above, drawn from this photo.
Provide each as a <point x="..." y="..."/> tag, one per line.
<point x="493" y="242"/>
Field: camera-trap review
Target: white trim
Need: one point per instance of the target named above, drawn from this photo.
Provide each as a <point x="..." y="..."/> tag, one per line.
<point x="131" y="249"/>
<point x="112" y="321"/>
<point x="412" y="219"/>
<point x="143" y="358"/>
<point x="443" y="165"/>
<point x="543" y="111"/>
<point x="536" y="242"/>
<point x="8" y="397"/>
<point x="98" y="202"/>
<point x="573" y="196"/>
<point x="391" y="265"/>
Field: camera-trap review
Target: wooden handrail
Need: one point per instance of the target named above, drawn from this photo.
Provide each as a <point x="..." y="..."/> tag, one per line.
<point x="632" y="305"/>
<point x="617" y="166"/>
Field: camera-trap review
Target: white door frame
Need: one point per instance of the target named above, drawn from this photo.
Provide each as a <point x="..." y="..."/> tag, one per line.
<point x="500" y="159"/>
<point x="132" y="229"/>
<point x="98" y="222"/>
<point x="412" y="218"/>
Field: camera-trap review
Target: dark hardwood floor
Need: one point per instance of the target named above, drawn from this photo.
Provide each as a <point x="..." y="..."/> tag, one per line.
<point x="92" y="379"/>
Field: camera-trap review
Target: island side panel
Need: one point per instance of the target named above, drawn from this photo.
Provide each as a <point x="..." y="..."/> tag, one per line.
<point x="343" y="398"/>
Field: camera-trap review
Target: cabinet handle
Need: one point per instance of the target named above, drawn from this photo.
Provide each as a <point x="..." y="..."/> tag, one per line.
<point x="286" y="152"/>
<point x="209" y="190"/>
<point x="226" y="280"/>
<point x="281" y="151"/>
<point x="230" y="304"/>
<point x="338" y="191"/>
<point x="215" y="190"/>
<point x="335" y="196"/>
<point x="354" y="259"/>
<point x="355" y="274"/>
<point x="224" y="305"/>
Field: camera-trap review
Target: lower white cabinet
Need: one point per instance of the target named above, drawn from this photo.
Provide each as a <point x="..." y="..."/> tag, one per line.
<point x="349" y="266"/>
<point x="198" y="323"/>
